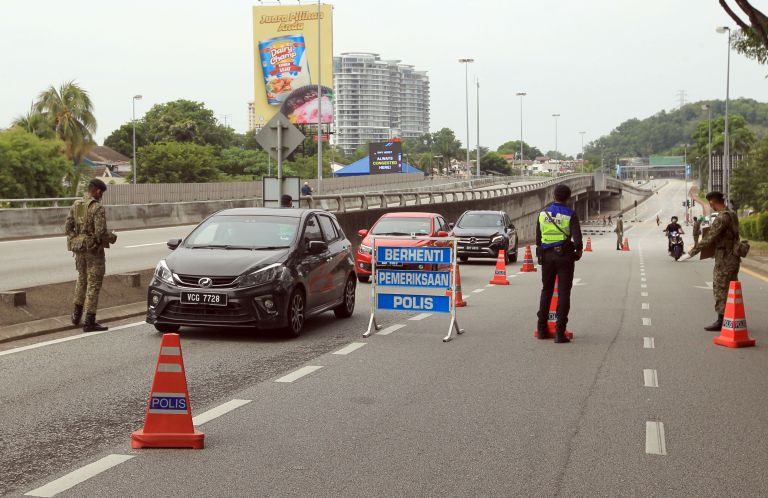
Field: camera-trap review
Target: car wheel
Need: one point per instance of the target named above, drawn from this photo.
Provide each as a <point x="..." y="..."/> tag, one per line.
<point x="507" y="257"/>
<point x="166" y="328"/>
<point x="513" y="255"/>
<point x="463" y="259"/>
<point x="347" y="307"/>
<point x="363" y="279"/>
<point x="296" y="313"/>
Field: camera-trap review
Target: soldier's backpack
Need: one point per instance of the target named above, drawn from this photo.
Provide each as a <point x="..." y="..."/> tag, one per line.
<point x="79" y="241"/>
<point x="740" y="247"/>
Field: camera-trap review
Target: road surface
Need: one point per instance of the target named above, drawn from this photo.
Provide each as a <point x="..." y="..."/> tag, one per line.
<point x="640" y="404"/>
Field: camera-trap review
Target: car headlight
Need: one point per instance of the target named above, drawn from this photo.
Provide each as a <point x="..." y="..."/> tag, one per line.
<point x="262" y="276"/>
<point x="365" y="249"/>
<point x="163" y="273"/>
<point x="498" y="239"/>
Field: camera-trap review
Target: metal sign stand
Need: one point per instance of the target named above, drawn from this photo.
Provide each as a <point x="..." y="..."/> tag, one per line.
<point x="373" y="325"/>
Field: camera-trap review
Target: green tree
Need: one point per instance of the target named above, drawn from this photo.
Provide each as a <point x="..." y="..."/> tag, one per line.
<point x="558" y="155"/>
<point x="742" y="138"/>
<point x="122" y="138"/>
<point x="749" y="181"/>
<point x="185" y="121"/>
<point x="30" y="166"/>
<point x="69" y="109"/>
<point x="445" y="143"/>
<point x="235" y="161"/>
<point x="492" y="162"/>
<point x="176" y="162"/>
<point x="36" y="123"/>
<point x="513" y="147"/>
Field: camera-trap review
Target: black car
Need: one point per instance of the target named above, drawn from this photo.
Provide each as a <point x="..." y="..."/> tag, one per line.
<point x="254" y="268"/>
<point x="482" y="234"/>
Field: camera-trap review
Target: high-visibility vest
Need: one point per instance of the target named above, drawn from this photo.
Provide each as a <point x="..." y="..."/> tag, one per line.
<point x="554" y="216"/>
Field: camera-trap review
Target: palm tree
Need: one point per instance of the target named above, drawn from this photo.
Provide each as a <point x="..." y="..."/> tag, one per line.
<point x="35" y="123"/>
<point x="69" y="110"/>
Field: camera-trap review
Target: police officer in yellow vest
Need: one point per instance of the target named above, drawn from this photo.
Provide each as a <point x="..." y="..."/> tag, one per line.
<point x="558" y="247"/>
<point x="87" y="237"/>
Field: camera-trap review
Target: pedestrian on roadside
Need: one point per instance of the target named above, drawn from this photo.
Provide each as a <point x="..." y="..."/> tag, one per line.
<point x="619" y="232"/>
<point x="87" y="237"/>
<point x="658" y="220"/>
<point x="306" y="189"/>
<point x="696" y="230"/>
<point x="723" y="236"/>
<point x="558" y="247"/>
<point x="286" y="201"/>
<point x="610" y="220"/>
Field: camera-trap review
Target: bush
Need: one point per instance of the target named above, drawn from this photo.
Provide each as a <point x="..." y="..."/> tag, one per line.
<point x="761" y="227"/>
<point x="754" y="227"/>
<point x="747" y="227"/>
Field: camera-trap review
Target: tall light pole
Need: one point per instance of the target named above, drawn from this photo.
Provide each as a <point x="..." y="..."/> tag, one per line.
<point x="133" y="119"/>
<point x="726" y="136"/>
<point x="478" y="127"/>
<point x="319" y="107"/>
<point x="582" y="150"/>
<point x="521" y="95"/>
<point x="708" y="108"/>
<point x="555" y="116"/>
<point x="685" y="165"/>
<point x="466" y="63"/>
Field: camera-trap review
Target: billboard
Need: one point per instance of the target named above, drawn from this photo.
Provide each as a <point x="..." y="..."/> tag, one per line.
<point x="385" y="157"/>
<point x="286" y="65"/>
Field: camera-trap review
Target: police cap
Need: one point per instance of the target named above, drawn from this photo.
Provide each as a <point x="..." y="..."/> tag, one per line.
<point x="562" y="192"/>
<point x="96" y="183"/>
<point x="716" y="196"/>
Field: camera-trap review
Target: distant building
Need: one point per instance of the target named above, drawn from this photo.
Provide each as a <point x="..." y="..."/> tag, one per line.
<point x="251" y="116"/>
<point x="105" y="162"/>
<point x="376" y="99"/>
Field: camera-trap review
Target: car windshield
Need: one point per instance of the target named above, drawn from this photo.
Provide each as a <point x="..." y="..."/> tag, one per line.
<point x="403" y="226"/>
<point x="244" y="232"/>
<point x="480" y="220"/>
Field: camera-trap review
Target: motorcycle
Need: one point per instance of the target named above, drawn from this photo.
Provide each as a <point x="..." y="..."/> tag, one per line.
<point x="675" y="244"/>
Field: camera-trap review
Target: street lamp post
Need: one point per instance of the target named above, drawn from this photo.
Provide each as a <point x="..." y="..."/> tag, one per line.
<point x="708" y="108"/>
<point x="133" y="119"/>
<point x="521" y="95"/>
<point x="320" y="108"/>
<point x="582" y="150"/>
<point x="685" y="165"/>
<point x="478" y="127"/>
<point x="466" y="63"/>
<point x="555" y="116"/>
<point x="726" y="135"/>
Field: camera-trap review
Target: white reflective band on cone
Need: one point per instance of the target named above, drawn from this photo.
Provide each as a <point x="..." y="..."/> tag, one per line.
<point x="169" y="367"/>
<point x="170" y="351"/>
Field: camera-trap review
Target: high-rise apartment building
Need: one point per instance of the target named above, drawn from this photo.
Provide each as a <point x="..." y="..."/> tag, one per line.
<point x="251" y="116"/>
<point x="377" y="99"/>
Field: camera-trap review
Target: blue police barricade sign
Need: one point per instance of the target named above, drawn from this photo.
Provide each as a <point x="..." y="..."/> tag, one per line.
<point x="418" y="268"/>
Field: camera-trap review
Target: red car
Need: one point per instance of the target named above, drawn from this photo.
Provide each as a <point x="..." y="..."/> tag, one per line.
<point x="419" y="224"/>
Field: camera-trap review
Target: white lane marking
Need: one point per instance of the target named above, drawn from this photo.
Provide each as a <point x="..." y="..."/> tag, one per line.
<point x="644" y="294"/>
<point x="491" y="285"/>
<point x="647" y="322"/>
<point x="67" y="339"/>
<point x="477" y="291"/>
<point x="219" y="411"/>
<point x="420" y="317"/>
<point x="650" y="378"/>
<point x="293" y="376"/>
<point x="649" y="343"/>
<point x="646" y="306"/>
<point x="80" y="475"/>
<point x="145" y="245"/>
<point x="708" y="286"/>
<point x="467" y="296"/>
<point x="391" y="329"/>
<point x="577" y="282"/>
<point x="643" y="286"/>
<point x="643" y="279"/>
<point x="350" y="347"/>
<point x="654" y="438"/>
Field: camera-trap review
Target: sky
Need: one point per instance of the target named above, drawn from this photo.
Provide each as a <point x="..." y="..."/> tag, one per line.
<point x="596" y="63"/>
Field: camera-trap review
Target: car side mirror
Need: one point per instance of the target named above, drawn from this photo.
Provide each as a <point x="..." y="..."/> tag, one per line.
<point x="362" y="233"/>
<point x="317" y="247"/>
<point x="173" y="244"/>
<point x="451" y="225"/>
<point x="442" y="233"/>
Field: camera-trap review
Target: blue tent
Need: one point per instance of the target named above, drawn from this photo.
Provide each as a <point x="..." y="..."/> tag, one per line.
<point x="363" y="167"/>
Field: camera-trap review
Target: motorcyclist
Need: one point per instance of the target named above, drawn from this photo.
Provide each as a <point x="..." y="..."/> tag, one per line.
<point x="673" y="226"/>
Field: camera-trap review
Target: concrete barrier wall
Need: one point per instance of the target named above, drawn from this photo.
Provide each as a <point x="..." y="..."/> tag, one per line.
<point x="521" y="206"/>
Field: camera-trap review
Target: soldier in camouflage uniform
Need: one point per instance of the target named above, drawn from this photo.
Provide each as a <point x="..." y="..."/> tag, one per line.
<point x="87" y="237"/>
<point x="722" y="236"/>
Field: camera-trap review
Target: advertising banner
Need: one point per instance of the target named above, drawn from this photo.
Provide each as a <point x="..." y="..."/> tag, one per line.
<point x="385" y="157"/>
<point x="286" y="65"/>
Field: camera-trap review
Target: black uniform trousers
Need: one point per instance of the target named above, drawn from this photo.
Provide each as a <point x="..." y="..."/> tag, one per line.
<point x="556" y="264"/>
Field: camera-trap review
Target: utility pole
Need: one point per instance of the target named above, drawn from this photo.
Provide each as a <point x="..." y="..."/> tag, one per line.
<point x="521" y="95"/>
<point x="466" y="63"/>
<point x="319" y="106"/>
<point x="478" y="127"/>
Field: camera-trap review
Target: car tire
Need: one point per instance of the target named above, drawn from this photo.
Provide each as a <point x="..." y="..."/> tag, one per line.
<point x="296" y="313"/>
<point x="166" y="328"/>
<point x="513" y="255"/>
<point x="347" y="306"/>
<point x="507" y="257"/>
<point x="363" y="279"/>
<point x="463" y="259"/>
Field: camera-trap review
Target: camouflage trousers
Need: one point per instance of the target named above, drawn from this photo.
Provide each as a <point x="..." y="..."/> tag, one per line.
<point x="619" y="242"/>
<point x="90" y="274"/>
<point x="726" y="269"/>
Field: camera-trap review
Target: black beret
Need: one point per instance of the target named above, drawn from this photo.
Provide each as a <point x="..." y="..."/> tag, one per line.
<point x="562" y="192"/>
<point x="98" y="184"/>
<point x="716" y="196"/>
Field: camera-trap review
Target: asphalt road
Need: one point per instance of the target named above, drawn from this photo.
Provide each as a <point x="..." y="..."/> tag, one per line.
<point x="495" y="412"/>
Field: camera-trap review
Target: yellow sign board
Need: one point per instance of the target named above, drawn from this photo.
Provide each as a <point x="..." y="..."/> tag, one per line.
<point x="286" y="66"/>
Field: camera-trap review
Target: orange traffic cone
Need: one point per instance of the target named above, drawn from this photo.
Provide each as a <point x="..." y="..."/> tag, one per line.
<point x="168" y="422"/>
<point x="500" y="274"/>
<point x="552" y="318"/>
<point x="528" y="265"/>
<point x="589" y="245"/>
<point x="734" y="333"/>
<point x="625" y="247"/>
<point x="460" y="302"/>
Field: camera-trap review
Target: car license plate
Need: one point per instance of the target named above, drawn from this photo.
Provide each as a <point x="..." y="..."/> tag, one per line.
<point x="203" y="298"/>
<point x="473" y="248"/>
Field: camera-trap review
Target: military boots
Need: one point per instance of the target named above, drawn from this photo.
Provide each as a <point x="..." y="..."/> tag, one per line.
<point x="77" y="314"/>
<point x="716" y="325"/>
<point x="560" y="336"/>
<point x="91" y="325"/>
